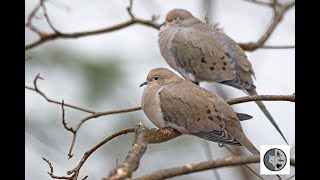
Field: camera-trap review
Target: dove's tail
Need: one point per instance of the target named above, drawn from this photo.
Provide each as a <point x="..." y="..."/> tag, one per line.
<point x="244" y="141"/>
<point x="266" y="112"/>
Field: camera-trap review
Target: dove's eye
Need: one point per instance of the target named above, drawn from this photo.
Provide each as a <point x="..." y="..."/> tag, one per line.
<point x="176" y="18"/>
<point x="155" y="77"/>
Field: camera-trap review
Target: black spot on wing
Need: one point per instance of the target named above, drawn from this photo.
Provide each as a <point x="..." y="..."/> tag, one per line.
<point x="228" y="55"/>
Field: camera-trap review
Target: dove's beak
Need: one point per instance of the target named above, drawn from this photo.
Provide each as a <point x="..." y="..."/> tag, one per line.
<point x="163" y="24"/>
<point x="144" y="83"/>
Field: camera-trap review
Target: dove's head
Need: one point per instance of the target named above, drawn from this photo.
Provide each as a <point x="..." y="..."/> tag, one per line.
<point x="160" y="76"/>
<point x="178" y="17"/>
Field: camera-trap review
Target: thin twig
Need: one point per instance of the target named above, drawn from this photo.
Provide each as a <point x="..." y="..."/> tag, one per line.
<point x="244" y="99"/>
<point x="254" y="172"/>
<point x="31" y="16"/>
<point x="190" y="168"/>
<point x="129" y="9"/>
<point x="52" y="36"/>
<point x="76" y="170"/>
<point x="210" y="157"/>
<point x="37" y="90"/>
<point x="64" y="122"/>
<point x="262" y="3"/>
<point x="95" y="115"/>
<point x="278" y="12"/>
<point x="278" y="47"/>
<point x="98" y="114"/>
<point x="73" y="141"/>
<point x="84" y="178"/>
<point x="206" y="165"/>
<point x="44" y="37"/>
<point x="47" y="17"/>
<point x="51" y="171"/>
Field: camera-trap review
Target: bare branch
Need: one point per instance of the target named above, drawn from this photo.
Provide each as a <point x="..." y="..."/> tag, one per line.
<point x="104" y="113"/>
<point x="161" y="135"/>
<point x="153" y="133"/>
<point x="95" y="115"/>
<point x="144" y="136"/>
<point x="51" y="171"/>
<point x="32" y="14"/>
<point x="210" y="157"/>
<point x="37" y="90"/>
<point x="279" y="11"/>
<point x="98" y="114"/>
<point x="206" y="165"/>
<point x="278" y="47"/>
<point x="64" y="122"/>
<point x="76" y="170"/>
<point x="52" y="36"/>
<point x="47" y="17"/>
<point x="244" y="99"/>
<point x="262" y="3"/>
<point x="131" y="163"/>
<point x="230" y="150"/>
<point x="129" y="9"/>
<point x="134" y="20"/>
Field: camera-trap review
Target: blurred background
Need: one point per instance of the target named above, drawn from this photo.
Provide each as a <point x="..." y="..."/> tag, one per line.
<point x="103" y="72"/>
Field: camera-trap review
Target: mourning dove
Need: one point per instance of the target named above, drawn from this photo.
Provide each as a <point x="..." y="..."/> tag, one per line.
<point x="170" y="101"/>
<point x="201" y="53"/>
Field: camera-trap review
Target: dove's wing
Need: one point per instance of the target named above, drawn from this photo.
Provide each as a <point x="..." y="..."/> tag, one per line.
<point x="210" y="56"/>
<point x="197" y="115"/>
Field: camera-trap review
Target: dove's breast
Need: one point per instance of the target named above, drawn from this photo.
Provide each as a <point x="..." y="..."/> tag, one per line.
<point x="151" y="106"/>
